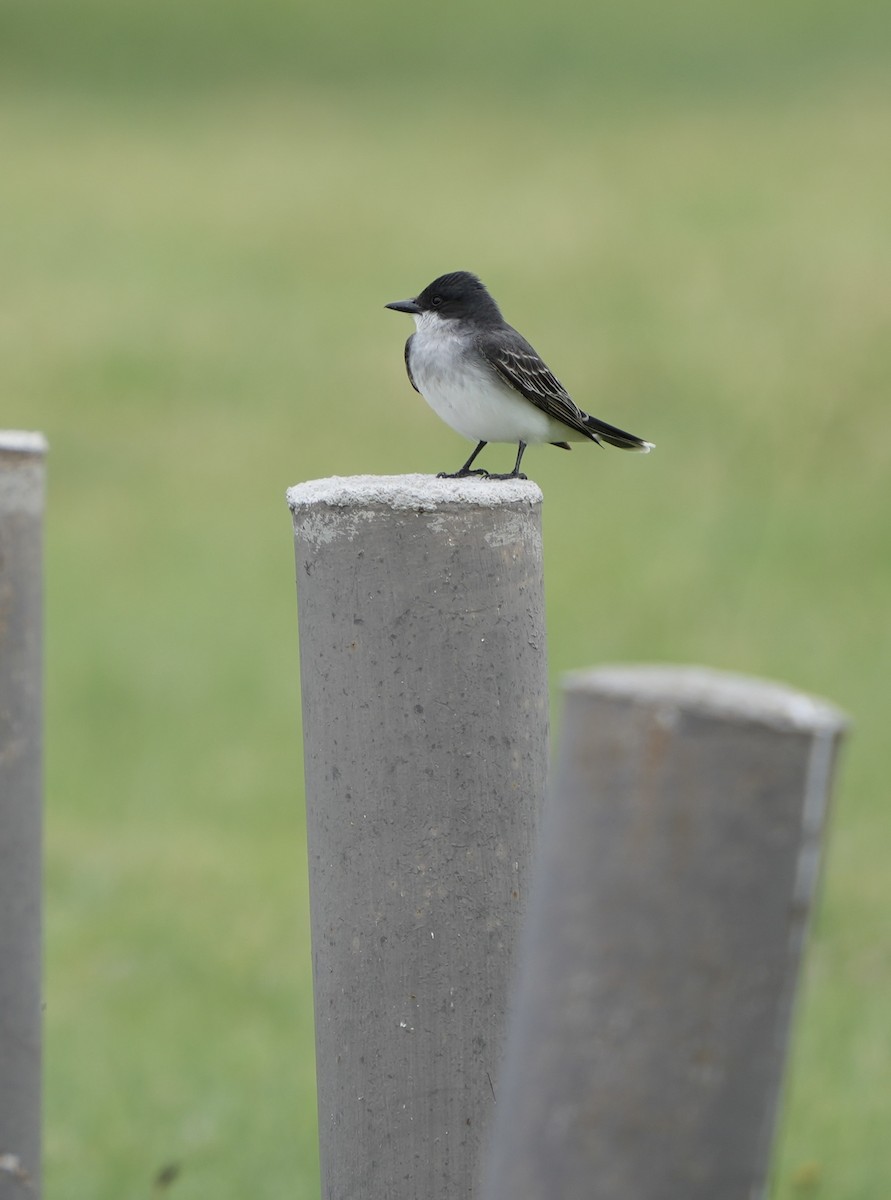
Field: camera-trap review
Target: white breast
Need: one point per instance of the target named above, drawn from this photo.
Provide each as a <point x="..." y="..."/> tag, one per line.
<point x="467" y="395"/>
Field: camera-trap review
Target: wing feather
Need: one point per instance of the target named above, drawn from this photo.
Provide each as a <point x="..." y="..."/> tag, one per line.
<point x="411" y="378"/>
<point x="520" y="367"/>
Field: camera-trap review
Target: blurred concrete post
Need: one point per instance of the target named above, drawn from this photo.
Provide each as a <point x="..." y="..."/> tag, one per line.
<point x="22" y="463"/>
<point x="423" y="668"/>
<point x="680" y="854"/>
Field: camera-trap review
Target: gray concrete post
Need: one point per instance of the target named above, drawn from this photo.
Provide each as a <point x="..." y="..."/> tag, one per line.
<point x="680" y="852"/>
<point x="21" y="526"/>
<point x="424" y="683"/>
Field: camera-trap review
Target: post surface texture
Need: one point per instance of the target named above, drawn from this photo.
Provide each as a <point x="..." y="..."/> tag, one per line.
<point x="680" y="851"/>
<point x="424" y="683"/>
<point x="22" y="467"/>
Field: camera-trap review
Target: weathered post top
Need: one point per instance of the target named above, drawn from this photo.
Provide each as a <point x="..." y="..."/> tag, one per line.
<point x="21" y="480"/>
<point x="711" y="693"/>
<point x="21" y="441"/>
<point x="423" y="493"/>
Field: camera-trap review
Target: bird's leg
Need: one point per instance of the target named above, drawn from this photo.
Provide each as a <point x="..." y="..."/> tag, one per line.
<point x="516" y="473"/>
<point x="464" y="471"/>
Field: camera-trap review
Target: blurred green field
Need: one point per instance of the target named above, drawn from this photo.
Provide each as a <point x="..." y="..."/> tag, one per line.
<point x="205" y="209"/>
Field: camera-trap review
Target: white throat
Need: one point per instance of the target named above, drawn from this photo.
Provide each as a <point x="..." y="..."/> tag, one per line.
<point x="431" y="323"/>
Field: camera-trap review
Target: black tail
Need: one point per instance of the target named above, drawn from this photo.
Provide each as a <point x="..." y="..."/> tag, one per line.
<point x="602" y="432"/>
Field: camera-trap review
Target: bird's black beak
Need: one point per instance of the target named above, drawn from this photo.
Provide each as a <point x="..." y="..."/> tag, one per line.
<point x="406" y="306"/>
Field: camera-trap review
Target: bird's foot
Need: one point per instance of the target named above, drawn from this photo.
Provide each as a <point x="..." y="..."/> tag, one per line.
<point x="463" y="474"/>
<point x="510" y="475"/>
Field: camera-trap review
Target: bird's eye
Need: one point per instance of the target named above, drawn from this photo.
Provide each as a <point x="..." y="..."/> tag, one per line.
<point x="436" y="301"/>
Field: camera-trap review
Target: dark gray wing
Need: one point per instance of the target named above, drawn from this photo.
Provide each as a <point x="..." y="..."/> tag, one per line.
<point x="518" y="364"/>
<point x="411" y="378"/>
<point x="514" y="360"/>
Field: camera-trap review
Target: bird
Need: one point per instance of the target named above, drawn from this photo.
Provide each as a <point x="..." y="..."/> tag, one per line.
<point x="486" y="381"/>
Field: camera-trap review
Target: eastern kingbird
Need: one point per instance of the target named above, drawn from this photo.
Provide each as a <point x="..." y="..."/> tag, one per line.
<point x="486" y="381"/>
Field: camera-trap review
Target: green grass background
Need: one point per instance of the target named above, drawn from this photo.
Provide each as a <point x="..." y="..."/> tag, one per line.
<point x="205" y="207"/>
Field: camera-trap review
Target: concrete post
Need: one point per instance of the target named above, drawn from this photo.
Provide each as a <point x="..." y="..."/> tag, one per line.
<point x="679" y="861"/>
<point x="21" y="520"/>
<point x="423" y="668"/>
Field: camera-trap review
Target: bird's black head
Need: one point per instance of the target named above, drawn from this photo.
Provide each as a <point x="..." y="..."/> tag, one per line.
<point x="458" y="294"/>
